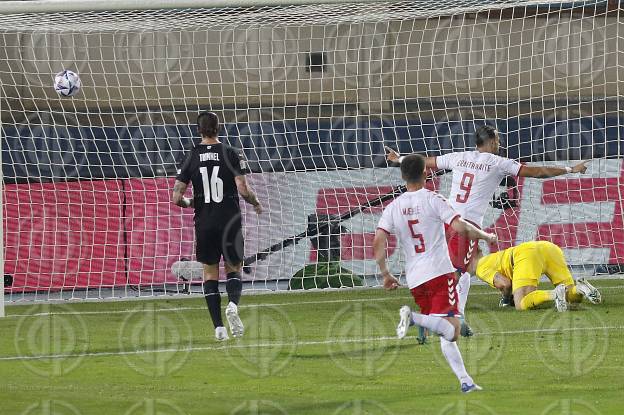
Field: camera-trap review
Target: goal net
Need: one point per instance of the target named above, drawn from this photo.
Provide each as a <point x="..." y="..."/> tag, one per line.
<point x="311" y="93"/>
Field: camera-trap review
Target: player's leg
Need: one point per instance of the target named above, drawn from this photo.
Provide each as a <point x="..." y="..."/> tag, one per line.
<point x="233" y="250"/>
<point x="423" y="295"/>
<point x="454" y="358"/>
<point x="558" y="273"/>
<point x="213" y="299"/>
<point x="529" y="265"/>
<point x="438" y="303"/>
<point x="528" y="297"/>
<point x="466" y="250"/>
<point x="461" y="251"/>
<point x="209" y="254"/>
<point x="443" y="304"/>
<point x="463" y="287"/>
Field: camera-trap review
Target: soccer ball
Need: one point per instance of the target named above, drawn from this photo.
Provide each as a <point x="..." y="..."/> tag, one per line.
<point x="67" y="83"/>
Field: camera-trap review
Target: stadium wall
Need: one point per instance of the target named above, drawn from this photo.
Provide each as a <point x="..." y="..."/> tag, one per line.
<point x="117" y="232"/>
<point x="543" y="56"/>
<point x="48" y="152"/>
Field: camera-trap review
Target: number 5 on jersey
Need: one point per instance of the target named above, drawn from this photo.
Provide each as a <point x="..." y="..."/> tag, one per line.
<point x="419" y="246"/>
<point x="213" y="185"/>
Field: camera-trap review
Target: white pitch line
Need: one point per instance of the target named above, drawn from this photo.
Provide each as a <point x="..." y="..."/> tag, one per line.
<point x="243" y="306"/>
<point x="281" y="345"/>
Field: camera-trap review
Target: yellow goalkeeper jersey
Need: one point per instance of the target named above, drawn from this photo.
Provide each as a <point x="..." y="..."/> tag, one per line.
<point x="525" y="263"/>
<point x="498" y="262"/>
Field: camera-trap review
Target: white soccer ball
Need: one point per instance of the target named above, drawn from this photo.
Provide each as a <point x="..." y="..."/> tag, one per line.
<point x="67" y="83"/>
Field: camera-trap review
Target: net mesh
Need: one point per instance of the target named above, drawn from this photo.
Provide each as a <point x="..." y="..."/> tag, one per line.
<point x="311" y="94"/>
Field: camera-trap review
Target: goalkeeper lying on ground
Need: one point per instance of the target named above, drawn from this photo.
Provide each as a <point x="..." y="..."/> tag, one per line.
<point x="516" y="272"/>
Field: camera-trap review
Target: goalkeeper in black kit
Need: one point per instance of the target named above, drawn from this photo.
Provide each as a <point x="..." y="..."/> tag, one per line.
<point x="217" y="172"/>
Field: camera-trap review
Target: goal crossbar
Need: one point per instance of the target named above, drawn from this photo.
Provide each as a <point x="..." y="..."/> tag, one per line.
<point x="56" y="6"/>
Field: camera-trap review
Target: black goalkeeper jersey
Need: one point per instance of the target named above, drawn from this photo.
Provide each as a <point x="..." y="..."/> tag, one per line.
<point x="212" y="168"/>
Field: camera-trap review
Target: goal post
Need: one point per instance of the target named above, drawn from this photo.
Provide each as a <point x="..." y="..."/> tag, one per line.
<point x="311" y="91"/>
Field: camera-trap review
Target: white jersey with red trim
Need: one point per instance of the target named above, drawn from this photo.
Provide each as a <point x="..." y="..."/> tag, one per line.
<point x="476" y="177"/>
<point x="418" y="218"/>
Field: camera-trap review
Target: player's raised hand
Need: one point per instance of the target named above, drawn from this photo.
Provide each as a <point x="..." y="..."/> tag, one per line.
<point x="491" y="238"/>
<point x="390" y="282"/>
<point x="392" y="155"/>
<point x="258" y="208"/>
<point x="581" y="167"/>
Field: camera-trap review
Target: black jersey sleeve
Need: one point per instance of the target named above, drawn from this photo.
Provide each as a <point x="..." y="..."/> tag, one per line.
<point x="238" y="162"/>
<point x="185" y="172"/>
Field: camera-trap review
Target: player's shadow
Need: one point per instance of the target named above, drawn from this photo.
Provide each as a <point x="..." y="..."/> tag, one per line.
<point x="358" y="352"/>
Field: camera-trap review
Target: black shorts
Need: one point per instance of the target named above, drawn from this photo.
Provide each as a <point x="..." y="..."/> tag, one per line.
<point x="213" y="242"/>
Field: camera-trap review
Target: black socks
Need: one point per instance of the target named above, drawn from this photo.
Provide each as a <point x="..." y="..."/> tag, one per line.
<point x="213" y="301"/>
<point x="234" y="286"/>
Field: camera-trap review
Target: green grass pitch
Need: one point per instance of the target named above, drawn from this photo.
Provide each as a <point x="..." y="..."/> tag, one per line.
<point x="308" y="353"/>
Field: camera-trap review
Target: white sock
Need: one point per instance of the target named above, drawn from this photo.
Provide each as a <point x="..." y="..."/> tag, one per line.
<point x="463" y="286"/>
<point x="454" y="358"/>
<point x="436" y="324"/>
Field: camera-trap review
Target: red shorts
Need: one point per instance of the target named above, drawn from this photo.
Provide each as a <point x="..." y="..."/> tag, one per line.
<point x="461" y="249"/>
<point x="438" y="296"/>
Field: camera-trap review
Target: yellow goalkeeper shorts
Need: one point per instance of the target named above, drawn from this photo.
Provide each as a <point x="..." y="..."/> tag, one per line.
<point x="556" y="268"/>
<point x="532" y="259"/>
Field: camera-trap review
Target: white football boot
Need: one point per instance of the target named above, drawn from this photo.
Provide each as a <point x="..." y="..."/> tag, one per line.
<point x="236" y="325"/>
<point x="588" y="291"/>
<point x="406" y="315"/>
<point x="560" y="298"/>
<point x="221" y="334"/>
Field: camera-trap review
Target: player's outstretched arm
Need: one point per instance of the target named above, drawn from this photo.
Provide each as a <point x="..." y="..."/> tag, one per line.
<point x="542" y="172"/>
<point x="379" y="249"/>
<point x="179" y="188"/>
<point x="471" y="231"/>
<point x="244" y="189"/>
<point x="394" y="157"/>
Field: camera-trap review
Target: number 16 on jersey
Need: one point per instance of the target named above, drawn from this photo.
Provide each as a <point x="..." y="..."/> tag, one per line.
<point x="213" y="185"/>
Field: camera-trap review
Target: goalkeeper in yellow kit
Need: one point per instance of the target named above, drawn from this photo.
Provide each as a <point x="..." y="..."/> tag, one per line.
<point x="516" y="272"/>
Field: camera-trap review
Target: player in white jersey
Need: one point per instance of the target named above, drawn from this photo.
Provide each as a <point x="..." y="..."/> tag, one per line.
<point x="476" y="176"/>
<point x="417" y="217"/>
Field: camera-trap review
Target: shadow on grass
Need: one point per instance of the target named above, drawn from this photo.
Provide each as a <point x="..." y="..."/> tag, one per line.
<point x="360" y="351"/>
